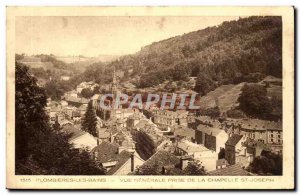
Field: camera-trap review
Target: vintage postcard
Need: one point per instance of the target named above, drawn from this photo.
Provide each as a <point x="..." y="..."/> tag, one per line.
<point x="150" y="98"/>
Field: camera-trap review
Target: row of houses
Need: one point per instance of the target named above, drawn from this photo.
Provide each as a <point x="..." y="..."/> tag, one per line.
<point x="63" y="113"/>
<point x="228" y="143"/>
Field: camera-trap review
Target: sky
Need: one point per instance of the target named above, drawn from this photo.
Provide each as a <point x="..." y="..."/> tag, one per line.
<point x="94" y="36"/>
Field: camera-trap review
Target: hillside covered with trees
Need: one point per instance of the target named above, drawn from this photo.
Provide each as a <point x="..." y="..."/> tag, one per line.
<point x="244" y="50"/>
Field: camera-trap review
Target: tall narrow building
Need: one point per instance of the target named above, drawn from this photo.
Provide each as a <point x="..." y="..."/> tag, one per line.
<point x="114" y="86"/>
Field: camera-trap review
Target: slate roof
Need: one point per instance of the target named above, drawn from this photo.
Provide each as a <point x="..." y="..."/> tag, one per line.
<point x="259" y="125"/>
<point x="250" y="143"/>
<point x="162" y="158"/>
<point x="191" y="147"/>
<point x="106" y="152"/>
<point x="214" y="131"/>
<point x="233" y="139"/>
<point x="122" y="158"/>
<point x="73" y="132"/>
<point x="183" y="131"/>
<point x="233" y="170"/>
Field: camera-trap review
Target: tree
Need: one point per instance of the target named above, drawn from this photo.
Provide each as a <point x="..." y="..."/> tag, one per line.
<point x="254" y="101"/>
<point x="148" y="170"/>
<point x="56" y="126"/>
<point x="89" y="123"/>
<point x="87" y="93"/>
<point x="267" y="164"/>
<point x="54" y="90"/>
<point x="30" y="101"/>
<point x="213" y="112"/>
<point x="39" y="148"/>
<point x="19" y="56"/>
<point x="235" y="113"/>
<point x="194" y="168"/>
<point x="204" y="84"/>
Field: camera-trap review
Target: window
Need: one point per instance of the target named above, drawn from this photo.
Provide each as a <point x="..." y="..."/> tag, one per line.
<point x="271" y="140"/>
<point x="278" y="136"/>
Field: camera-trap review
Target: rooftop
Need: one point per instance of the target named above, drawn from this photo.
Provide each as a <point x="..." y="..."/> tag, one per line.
<point x="190" y="147"/>
<point x="122" y="158"/>
<point x="233" y="170"/>
<point x="106" y="152"/>
<point x="214" y="131"/>
<point x="233" y="139"/>
<point x="162" y="158"/>
<point x="183" y="131"/>
<point x="73" y="132"/>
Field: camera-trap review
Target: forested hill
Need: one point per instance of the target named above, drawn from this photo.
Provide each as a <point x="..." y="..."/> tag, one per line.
<point x="235" y="51"/>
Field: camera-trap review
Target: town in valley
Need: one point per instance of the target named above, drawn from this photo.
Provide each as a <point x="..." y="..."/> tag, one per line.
<point x="230" y="69"/>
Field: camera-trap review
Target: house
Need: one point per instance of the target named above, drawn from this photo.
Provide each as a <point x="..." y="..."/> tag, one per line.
<point x="165" y="118"/>
<point x="267" y="132"/>
<point x="233" y="147"/>
<point x="82" y="110"/>
<point x="68" y="111"/>
<point x="207" y="157"/>
<point x="80" y="139"/>
<point x="75" y="101"/>
<point x="159" y="161"/>
<point x="54" y="110"/>
<point x="72" y="93"/>
<point x="115" y="159"/>
<point x="76" y="116"/>
<point x="84" y="85"/>
<point x="103" y="135"/>
<point x="221" y="163"/>
<point x="213" y="138"/>
<point x="122" y="113"/>
<point x="255" y="148"/>
<point x="60" y="116"/>
<point x="183" y="132"/>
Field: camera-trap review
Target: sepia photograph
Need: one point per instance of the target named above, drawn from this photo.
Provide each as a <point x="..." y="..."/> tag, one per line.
<point x="150" y="95"/>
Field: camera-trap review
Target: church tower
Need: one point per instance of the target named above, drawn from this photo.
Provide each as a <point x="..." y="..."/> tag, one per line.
<point x="114" y="87"/>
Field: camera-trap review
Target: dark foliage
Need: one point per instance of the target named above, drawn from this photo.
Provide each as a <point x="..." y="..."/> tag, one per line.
<point x="39" y="148"/>
<point x="89" y="123"/>
<point x="194" y="168"/>
<point x="87" y="93"/>
<point x="267" y="164"/>
<point x="254" y="101"/>
<point x="235" y="113"/>
<point x="212" y="112"/>
<point x="55" y="89"/>
<point x="237" y="51"/>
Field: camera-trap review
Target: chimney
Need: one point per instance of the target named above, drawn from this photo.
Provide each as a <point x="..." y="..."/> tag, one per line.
<point x="132" y="161"/>
<point x="184" y="162"/>
<point x="163" y="170"/>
